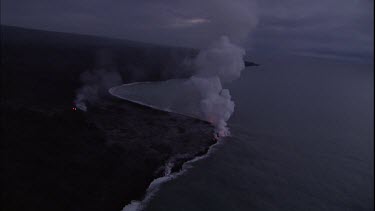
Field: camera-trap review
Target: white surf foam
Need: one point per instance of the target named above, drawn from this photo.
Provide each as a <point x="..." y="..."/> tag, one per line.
<point x="155" y="184"/>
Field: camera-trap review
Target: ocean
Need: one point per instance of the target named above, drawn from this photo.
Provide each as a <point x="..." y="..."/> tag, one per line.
<point x="301" y="139"/>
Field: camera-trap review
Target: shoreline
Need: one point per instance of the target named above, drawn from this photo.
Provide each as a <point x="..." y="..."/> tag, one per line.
<point x="56" y="158"/>
<point x="95" y="160"/>
<point x="169" y="174"/>
<point x="174" y="167"/>
<point x="177" y="164"/>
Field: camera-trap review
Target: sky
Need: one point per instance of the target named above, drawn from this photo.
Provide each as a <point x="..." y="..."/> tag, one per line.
<point x="327" y="28"/>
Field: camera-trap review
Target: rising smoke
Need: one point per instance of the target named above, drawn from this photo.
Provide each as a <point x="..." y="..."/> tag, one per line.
<point x="221" y="62"/>
<point x="202" y="95"/>
<point x="96" y="82"/>
<point x="95" y="85"/>
<point x="198" y="24"/>
<point x="222" y="59"/>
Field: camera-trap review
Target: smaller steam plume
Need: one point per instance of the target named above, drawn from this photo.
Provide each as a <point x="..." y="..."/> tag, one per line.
<point x="95" y="85"/>
<point x="96" y="82"/>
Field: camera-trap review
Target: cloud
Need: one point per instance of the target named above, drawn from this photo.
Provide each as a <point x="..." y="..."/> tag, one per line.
<point x="191" y="23"/>
<point x="335" y="28"/>
<point x="341" y="27"/>
<point x="188" y="22"/>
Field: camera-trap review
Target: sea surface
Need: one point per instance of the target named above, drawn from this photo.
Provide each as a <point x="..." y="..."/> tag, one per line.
<point x="301" y="139"/>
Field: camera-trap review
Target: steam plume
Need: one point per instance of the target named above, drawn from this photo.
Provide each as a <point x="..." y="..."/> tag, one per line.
<point x="96" y="82"/>
<point x="201" y="95"/>
<point x="222" y="59"/>
<point x="95" y="85"/>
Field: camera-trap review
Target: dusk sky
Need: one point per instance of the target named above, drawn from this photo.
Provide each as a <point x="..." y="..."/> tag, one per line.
<point x="332" y="28"/>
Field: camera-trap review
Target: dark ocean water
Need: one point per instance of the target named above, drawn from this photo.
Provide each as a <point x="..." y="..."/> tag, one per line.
<point x="302" y="139"/>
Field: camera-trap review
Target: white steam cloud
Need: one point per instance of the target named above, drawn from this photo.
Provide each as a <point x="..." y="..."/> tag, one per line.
<point x="222" y="59"/>
<point x="195" y="24"/>
<point x="95" y="85"/>
<point x="202" y="95"/>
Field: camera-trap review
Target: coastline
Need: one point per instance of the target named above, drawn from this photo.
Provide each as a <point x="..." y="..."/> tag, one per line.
<point x="56" y="158"/>
<point x="194" y="147"/>
<point x="174" y="166"/>
<point x="98" y="160"/>
<point x="169" y="174"/>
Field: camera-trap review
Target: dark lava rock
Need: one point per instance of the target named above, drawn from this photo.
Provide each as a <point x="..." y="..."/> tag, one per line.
<point x="56" y="158"/>
<point x="98" y="160"/>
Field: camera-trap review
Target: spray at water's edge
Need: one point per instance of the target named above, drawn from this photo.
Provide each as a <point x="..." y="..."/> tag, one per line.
<point x="168" y="175"/>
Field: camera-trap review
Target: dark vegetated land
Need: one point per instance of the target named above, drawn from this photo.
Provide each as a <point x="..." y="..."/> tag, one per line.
<point x="54" y="158"/>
